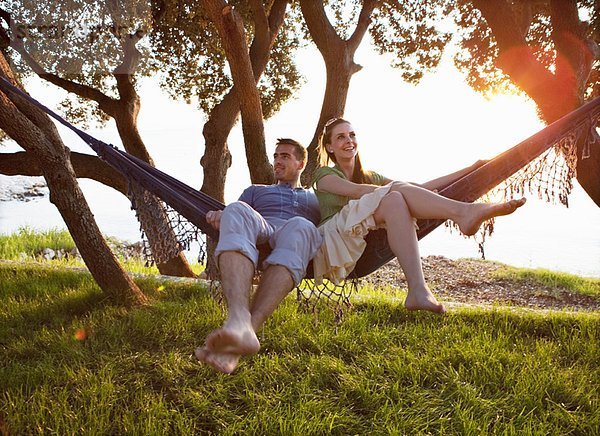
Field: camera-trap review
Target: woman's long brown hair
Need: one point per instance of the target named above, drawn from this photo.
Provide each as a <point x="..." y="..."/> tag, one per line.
<point x="359" y="175"/>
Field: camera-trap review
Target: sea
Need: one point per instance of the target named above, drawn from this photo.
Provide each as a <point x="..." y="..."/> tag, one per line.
<point x="539" y="235"/>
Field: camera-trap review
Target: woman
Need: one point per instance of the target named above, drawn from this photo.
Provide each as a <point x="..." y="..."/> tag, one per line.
<point x="354" y="201"/>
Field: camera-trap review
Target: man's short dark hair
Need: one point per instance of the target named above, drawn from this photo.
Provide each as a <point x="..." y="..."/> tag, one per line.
<point x="299" y="150"/>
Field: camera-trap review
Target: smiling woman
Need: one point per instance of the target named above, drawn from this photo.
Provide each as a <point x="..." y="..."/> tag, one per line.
<point x="354" y="202"/>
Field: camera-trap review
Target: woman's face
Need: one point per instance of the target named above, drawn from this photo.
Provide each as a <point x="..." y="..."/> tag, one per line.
<point x="343" y="142"/>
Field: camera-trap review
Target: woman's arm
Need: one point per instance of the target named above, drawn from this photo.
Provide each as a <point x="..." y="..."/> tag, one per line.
<point x="336" y="185"/>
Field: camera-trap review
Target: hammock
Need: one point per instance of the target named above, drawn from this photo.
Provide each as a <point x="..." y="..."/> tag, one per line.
<point x="559" y="137"/>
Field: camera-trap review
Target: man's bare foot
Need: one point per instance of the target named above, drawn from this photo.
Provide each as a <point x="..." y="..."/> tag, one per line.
<point x="229" y="339"/>
<point x="423" y="300"/>
<point x="222" y="362"/>
<point x="483" y="212"/>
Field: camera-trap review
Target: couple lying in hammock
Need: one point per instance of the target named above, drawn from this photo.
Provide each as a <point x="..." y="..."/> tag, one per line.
<point x="350" y="202"/>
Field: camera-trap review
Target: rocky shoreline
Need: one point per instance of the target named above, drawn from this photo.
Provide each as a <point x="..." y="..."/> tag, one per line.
<point x="474" y="281"/>
<point x="21" y="188"/>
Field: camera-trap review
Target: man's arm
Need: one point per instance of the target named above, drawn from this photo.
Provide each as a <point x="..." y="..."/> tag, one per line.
<point x="213" y="218"/>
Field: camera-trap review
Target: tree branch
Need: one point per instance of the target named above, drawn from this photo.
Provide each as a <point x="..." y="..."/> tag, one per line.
<point x="259" y="16"/>
<point x="575" y="52"/>
<point x="265" y="33"/>
<point x="276" y="15"/>
<point x="321" y="30"/>
<point x="231" y="31"/>
<point x="85" y="165"/>
<point x="515" y="57"/>
<point x="364" y="20"/>
<point x="83" y="91"/>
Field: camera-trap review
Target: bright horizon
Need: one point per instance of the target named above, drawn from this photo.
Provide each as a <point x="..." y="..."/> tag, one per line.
<point x="405" y="132"/>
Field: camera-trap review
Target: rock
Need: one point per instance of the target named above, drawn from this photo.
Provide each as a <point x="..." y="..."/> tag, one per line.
<point x="48" y="253"/>
<point x="21" y="188"/>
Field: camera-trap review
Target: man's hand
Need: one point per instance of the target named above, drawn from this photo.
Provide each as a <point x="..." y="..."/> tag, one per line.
<point x="213" y="218"/>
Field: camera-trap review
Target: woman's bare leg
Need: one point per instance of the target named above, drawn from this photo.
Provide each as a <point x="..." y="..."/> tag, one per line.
<point x="393" y="212"/>
<point x="425" y="204"/>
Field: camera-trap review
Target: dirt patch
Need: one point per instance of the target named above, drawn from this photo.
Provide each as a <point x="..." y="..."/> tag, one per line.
<point x="472" y="281"/>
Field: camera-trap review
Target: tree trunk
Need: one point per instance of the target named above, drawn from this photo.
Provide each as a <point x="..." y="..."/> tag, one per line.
<point x="33" y="131"/>
<point x="558" y="93"/>
<point x="334" y="103"/>
<point x="217" y="157"/>
<point x="338" y="55"/>
<point x="231" y="31"/>
<point x="150" y="210"/>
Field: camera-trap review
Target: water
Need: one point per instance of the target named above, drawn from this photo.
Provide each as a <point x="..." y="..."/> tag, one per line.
<point x="539" y="235"/>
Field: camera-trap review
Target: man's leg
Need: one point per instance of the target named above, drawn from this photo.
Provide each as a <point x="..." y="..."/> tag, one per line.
<point x="225" y="346"/>
<point x="276" y="282"/>
<point x="236" y="335"/>
<point x="241" y="227"/>
<point x="294" y="244"/>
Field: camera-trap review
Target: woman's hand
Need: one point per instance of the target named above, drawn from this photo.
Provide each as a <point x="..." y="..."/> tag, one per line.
<point x="213" y="218"/>
<point x="479" y="163"/>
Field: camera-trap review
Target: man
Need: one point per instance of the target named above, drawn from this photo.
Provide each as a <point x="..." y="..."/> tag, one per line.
<point x="284" y="215"/>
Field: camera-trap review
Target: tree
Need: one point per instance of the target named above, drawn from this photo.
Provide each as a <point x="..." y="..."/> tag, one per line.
<point x="89" y="81"/>
<point x="398" y="27"/>
<point x="192" y="59"/>
<point x="543" y="48"/>
<point x="34" y="131"/>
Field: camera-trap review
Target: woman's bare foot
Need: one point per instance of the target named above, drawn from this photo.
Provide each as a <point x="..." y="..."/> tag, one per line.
<point x="233" y="339"/>
<point x="480" y="212"/>
<point x="423" y="299"/>
<point x="222" y="362"/>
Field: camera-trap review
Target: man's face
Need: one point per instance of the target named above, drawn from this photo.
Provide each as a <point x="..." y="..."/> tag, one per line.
<point x="286" y="166"/>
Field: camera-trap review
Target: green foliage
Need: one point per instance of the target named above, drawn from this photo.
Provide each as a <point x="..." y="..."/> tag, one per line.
<point x="192" y="62"/>
<point x="83" y="42"/>
<point x="478" y="51"/>
<point x="73" y="363"/>
<point x="412" y="33"/>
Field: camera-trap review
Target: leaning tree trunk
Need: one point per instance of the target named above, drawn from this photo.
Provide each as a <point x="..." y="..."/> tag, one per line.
<point x="338" y="55"/>
<point x="558" y="92"/>
<point x="33" y="131"/>
<point x="150" y="210"/>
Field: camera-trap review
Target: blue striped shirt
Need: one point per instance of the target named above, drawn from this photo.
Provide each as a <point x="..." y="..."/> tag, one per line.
<point x="279" y="203"/>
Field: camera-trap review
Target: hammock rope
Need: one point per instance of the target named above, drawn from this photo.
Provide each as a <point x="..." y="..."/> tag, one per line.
<point x="545" y="162"/>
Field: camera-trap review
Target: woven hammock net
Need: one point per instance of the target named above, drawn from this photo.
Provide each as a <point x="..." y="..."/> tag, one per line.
<point x="544" y="164"/>
<point x="549" y="176"/>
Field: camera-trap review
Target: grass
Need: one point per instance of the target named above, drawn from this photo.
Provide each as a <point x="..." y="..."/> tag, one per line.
<point x="73" y="363"/>
<point x="581" y="285"/>
<point x="26" y="245"/>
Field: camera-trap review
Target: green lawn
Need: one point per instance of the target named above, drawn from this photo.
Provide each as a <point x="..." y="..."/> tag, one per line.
<point x="72" y="363"/>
